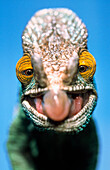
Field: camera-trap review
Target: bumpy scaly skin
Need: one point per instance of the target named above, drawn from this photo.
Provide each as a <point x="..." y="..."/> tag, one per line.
<point x="54" y="45"/>
<point x="54" y="38"/>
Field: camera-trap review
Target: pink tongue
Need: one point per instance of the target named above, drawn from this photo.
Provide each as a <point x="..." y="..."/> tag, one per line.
<point x="76" y="106"/>
<point x="56" y="105"/>
<point x="62" y="109"/>
<point x="38" y="103"/>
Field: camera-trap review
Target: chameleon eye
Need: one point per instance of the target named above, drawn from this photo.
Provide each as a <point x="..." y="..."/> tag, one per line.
<point x="87" y="65"/>
<point x="24" y="70"/>
<point x="28" y="72"/>
<point x="82" y="68"/>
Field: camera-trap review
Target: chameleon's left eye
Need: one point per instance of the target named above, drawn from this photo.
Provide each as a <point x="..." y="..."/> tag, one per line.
<point x="87" y="65"/>
<point x="24" y="69"/>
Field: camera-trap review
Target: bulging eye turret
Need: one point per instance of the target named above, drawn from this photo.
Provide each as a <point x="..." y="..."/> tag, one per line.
<point x="87" y="65"/>
<point x="24" y="69"/>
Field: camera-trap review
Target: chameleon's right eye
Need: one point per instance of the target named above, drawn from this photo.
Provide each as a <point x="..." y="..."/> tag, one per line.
<point x="24" y="69"/>
<point x="28" y="72"/>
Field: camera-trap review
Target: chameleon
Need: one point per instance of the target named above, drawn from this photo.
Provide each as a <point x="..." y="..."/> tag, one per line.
<point x="54" y="128"/>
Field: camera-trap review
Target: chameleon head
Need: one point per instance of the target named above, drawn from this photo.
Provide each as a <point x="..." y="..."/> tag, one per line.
<point x="56" y="72"/>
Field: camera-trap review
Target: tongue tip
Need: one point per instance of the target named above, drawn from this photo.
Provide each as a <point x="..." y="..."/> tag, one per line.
<point x="56" y="106"/>
<point x="56" y="113"/>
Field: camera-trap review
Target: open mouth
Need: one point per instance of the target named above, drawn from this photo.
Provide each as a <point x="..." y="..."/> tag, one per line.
<point x="78" y="100"/>
<point x="82" y="103"/>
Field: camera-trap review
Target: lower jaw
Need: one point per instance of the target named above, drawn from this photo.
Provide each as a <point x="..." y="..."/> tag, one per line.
<point x="73" y="123"/>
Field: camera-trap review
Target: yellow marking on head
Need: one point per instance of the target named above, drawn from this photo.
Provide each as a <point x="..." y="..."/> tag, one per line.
<point x="23" y="68"/>
<point x="88" y="64"/>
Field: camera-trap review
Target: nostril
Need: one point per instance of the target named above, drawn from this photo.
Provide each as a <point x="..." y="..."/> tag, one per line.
<point x="56" y="105"/>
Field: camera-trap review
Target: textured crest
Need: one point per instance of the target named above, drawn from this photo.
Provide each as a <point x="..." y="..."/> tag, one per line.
<point x="52" y="30"/>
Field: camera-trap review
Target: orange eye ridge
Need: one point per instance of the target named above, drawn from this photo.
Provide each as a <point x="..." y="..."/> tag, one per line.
<point x="87" y="65"/>
<point x="24" y="69"/>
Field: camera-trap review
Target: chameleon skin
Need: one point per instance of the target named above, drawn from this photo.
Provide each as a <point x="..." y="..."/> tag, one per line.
<point x="57" y="95"/>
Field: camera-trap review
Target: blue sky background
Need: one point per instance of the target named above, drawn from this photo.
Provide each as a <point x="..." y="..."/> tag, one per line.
<point x="14" y="15"/>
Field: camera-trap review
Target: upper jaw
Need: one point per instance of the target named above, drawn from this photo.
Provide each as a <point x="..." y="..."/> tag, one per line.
<point x="74" y="122"/>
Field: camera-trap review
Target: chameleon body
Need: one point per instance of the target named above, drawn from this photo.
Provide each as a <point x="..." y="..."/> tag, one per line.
<point x="58" y="96"/>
